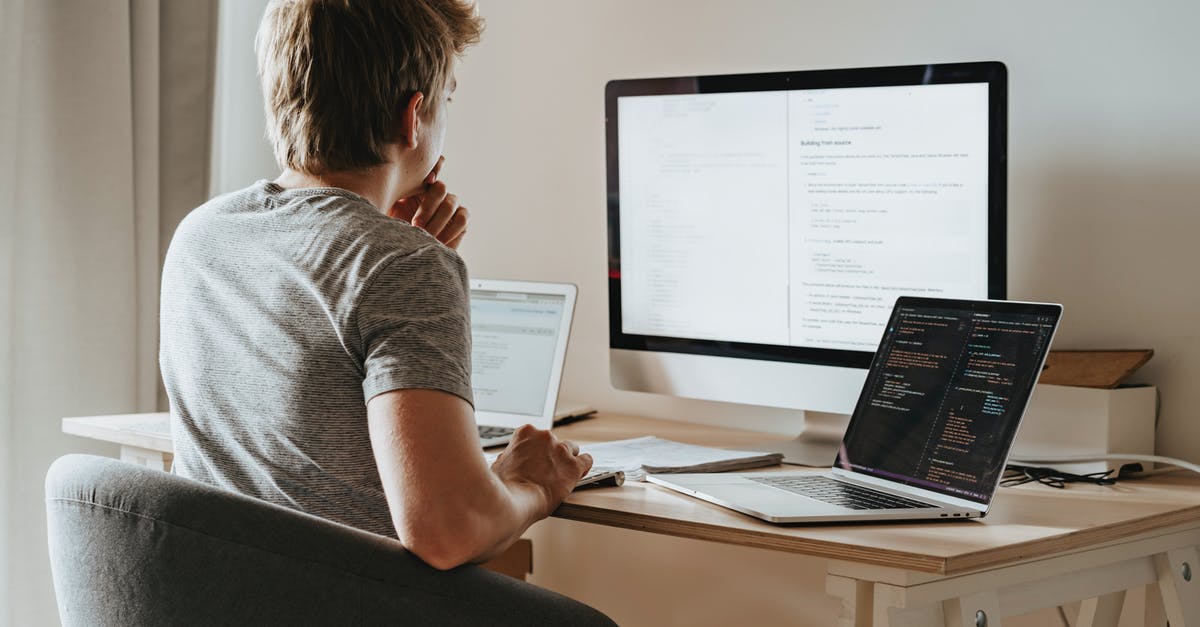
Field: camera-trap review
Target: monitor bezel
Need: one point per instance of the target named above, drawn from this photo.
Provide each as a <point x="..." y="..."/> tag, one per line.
<point x="991" y="72"/>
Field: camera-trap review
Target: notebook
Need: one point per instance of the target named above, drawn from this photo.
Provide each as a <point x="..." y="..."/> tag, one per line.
<point x="933" y="426"/>
<point x="519" y="332"/>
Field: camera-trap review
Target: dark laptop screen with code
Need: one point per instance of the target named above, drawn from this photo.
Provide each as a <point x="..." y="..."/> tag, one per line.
<point x="946" y="392"/>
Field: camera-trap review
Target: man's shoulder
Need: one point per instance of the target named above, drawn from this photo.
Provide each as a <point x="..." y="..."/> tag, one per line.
<point x="336" y="243"/>
<point x="327" y="215"/>
<point x="377" y="240"/>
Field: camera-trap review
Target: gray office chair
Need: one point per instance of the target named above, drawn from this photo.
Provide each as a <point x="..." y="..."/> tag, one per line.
<point x="135" y="546"/>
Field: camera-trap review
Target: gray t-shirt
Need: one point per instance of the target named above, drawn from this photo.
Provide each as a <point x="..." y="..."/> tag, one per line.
<point x="283" y="312"/>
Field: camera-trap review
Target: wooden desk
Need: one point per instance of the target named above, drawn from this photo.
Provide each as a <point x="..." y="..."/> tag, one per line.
<point x="1040" y="547"/>
<point x="145" y="439"/>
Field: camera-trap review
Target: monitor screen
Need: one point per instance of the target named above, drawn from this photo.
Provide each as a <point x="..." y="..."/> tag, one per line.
<point x="514" y="336"/>
<point x="779" y="216"/>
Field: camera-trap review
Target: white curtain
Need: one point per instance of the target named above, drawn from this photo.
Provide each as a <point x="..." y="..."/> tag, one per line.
<point x="10" y="17"/>
<point x="104" y="134"/>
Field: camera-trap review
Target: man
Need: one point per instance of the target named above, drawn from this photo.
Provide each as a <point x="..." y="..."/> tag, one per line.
<point x="315" y="340"/>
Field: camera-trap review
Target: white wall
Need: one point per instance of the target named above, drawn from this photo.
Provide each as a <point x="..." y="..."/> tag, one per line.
<point x="1103" y="144"/>
<point x="1104" y="149"/>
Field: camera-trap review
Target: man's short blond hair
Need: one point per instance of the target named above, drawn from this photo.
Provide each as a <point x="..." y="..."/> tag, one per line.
<point x="336" y="74"/>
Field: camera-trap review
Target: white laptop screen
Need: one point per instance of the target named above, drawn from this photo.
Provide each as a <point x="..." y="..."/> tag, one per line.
<point x="946" y="392"/>
<point x="513" y="335"/>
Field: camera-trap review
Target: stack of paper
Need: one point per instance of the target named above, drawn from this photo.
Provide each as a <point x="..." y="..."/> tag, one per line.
<point x="639" y="456"/>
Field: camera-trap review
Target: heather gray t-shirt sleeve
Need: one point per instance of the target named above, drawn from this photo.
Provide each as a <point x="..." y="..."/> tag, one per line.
<point x="413" y="319"/>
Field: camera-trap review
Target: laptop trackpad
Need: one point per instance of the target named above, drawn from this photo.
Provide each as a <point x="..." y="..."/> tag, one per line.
<point x="770" y="501"/>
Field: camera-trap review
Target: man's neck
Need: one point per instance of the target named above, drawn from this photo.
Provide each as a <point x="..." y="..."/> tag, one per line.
<point x="379" y="185"/>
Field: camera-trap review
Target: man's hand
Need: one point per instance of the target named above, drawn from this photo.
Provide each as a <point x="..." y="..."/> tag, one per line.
<point x="537" y="457"/>
<point x="435" y="210"/>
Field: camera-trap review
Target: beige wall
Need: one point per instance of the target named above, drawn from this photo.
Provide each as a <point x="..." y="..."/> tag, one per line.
<point x="1103" y="150"/>
<point x="1103" y="185"/>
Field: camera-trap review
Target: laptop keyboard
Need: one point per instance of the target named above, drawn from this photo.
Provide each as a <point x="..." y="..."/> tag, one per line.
<point x="487" y="432"/>
<point x="837" y="493"/>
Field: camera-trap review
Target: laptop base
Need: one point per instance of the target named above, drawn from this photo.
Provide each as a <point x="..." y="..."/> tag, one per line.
<point x="738" y="491"/>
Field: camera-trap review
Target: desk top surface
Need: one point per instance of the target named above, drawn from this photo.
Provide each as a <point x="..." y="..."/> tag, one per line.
<point x="1025" y="522"/>
<point x="148" y="431"/>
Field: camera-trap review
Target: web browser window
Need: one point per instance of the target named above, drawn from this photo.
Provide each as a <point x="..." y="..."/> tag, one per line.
<point x="513" y="337"/>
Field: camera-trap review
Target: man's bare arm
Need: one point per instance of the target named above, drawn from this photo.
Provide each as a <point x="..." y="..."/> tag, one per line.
<point x="447" y="506"/>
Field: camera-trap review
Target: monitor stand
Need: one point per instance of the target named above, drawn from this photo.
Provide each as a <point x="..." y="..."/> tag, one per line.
<point x="816" y="445"/>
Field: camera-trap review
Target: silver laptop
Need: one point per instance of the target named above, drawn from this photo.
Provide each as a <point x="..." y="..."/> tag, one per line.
<point x="932" y="429"/>
<point x="519" y="333"/>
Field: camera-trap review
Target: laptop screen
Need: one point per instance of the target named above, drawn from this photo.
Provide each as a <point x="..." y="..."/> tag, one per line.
<point x="946" y="392"/>
<point x="513" y="341"/>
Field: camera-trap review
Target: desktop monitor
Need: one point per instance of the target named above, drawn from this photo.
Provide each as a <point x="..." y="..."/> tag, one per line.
<point x="761" y="226"/>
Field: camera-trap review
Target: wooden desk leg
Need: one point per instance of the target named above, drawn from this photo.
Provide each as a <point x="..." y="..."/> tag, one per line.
<point x="1179" y="585"/>
<point x="889" y="609"/>
<point x="1168" y="564"/>
<point x="1101" y="575"/>
<point x="973" y="610"/>
<point x="856" y="596"/>
<point x="146" y="457"/>
<point x="516" y="562"/>
<point x="1155" y="615"/>
<point x="1102" y="611"/>
<point x="969" y="610"/>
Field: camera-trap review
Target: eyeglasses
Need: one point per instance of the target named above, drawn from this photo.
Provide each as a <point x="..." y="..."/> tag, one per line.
<point x="1015" y="475"/>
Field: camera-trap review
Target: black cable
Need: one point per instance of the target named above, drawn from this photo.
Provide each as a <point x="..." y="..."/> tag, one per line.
<point x="1018" y="474"/>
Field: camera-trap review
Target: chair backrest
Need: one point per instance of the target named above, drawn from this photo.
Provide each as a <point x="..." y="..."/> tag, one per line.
<point x="130" y="545"/>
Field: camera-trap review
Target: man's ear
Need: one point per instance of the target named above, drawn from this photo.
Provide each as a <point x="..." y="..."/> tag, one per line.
<point x="410" y="120"/>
